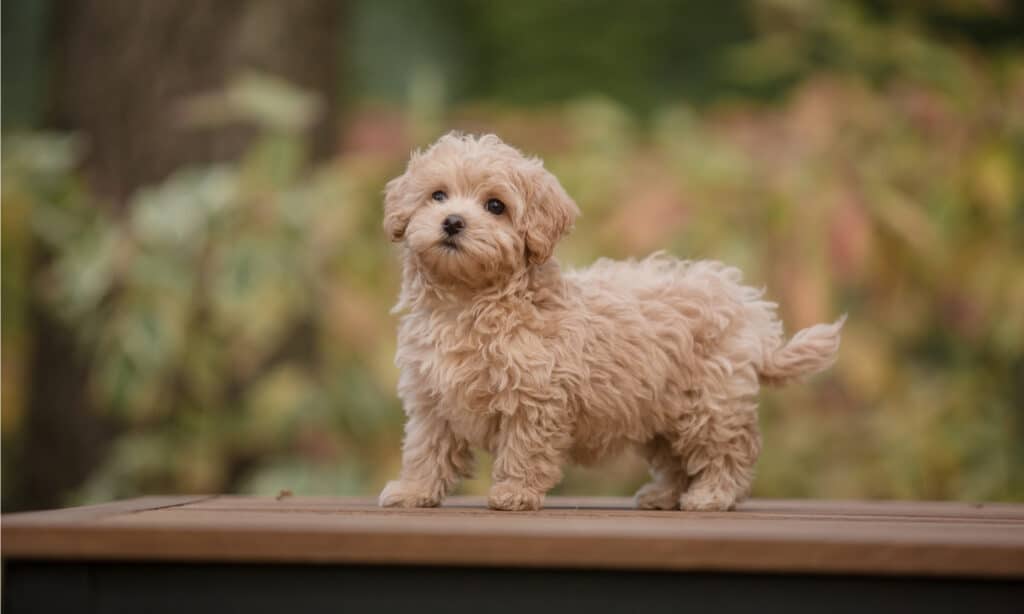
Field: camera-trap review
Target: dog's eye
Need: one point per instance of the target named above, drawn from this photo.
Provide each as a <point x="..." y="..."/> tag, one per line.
<point x="439" y="196"/>
<point x="495" y="206"/>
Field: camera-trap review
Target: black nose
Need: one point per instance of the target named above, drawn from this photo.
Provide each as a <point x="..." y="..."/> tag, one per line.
<point x="453" y="225"/>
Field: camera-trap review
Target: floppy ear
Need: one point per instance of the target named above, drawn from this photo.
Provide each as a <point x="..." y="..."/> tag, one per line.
<point x="398" y="206"/>
<point x="549" y="213"/>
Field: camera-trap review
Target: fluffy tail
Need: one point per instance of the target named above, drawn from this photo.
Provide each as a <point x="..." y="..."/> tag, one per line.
<point x="811" y="350"/>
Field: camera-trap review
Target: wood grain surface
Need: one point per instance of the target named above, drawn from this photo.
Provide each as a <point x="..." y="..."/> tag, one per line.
<point x="860" y="537"/>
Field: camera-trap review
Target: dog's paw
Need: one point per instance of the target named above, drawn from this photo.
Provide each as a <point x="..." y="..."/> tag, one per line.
<point x="704" y="500"/>
<point x="513" y="498"/>
<point x="402" y="494"/>
<point x="656" y="496"/>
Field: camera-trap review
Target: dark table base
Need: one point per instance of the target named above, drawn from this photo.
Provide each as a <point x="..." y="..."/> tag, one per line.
<point x="178" y="588"/>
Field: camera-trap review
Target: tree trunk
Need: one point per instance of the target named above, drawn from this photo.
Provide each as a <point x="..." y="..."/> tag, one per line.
<point x="127" y="65"/>
<point x="122" y="69"/>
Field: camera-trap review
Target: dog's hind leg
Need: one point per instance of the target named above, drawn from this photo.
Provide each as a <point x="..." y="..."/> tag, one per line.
<point x="721" y="461"/>
<point x="668" y="473"/>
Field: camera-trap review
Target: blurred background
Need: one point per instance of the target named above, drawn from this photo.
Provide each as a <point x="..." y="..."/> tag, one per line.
<point x="196" y="285"/>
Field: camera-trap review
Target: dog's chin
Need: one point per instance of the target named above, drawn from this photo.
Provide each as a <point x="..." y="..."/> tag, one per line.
<point x="458" y="262"/>
<point x="450" y="263"/>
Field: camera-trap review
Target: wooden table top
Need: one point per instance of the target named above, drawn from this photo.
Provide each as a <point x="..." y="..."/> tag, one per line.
<point x="859" y="537"/>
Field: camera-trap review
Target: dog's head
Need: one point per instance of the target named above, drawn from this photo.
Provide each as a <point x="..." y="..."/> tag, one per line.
<point x="473" y="210"/>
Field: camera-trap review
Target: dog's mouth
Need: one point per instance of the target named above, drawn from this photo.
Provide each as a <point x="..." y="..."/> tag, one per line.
<point x="449" y="244"/>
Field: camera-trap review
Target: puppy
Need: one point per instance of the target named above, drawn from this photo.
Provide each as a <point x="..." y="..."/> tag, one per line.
<point x="500" y="349"/>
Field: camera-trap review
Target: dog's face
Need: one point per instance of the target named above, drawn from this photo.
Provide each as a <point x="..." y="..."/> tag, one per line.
<point x="474" y="210"/>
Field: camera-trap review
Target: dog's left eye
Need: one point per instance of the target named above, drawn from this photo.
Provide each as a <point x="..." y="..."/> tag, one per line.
<point x="495" y="206"/>
<point x="439" y="196"/>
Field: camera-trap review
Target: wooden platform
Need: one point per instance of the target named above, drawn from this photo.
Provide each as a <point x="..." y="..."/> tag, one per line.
<point x="980" y="543"/>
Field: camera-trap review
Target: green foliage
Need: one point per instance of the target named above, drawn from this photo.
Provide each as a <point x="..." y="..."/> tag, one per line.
<point x="218" y="314"/>
<point x="236" y="318"/>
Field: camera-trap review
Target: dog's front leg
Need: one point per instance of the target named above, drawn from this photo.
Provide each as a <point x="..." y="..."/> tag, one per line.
<point x="528" y="461"/>
<point x="433" y="460"/>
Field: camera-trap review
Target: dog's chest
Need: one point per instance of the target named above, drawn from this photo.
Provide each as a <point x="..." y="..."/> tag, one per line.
<point x="463" y="360"/>
<point x="460" y="376"/>
<point x="475" y="368"/>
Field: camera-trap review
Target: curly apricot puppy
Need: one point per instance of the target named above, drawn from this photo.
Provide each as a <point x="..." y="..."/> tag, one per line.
<point x="501" y="349"/>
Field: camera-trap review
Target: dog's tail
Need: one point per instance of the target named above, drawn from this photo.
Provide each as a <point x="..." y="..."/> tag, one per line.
<point x="811" y="350"/>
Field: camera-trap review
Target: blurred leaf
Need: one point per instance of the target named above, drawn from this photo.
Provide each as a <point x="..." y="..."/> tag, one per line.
<point x="262" y="99"/>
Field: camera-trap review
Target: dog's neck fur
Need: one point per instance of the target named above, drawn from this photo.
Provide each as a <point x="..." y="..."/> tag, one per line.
<point x="532" y="286"/>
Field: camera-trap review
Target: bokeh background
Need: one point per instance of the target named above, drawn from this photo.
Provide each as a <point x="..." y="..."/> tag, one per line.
<point x="196" y="287"/>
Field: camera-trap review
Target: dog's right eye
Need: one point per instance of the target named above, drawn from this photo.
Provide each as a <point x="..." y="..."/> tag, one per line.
<point x="439" y="196"/>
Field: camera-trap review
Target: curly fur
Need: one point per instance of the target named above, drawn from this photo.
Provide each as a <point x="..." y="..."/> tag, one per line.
<point x="500" y="349"/>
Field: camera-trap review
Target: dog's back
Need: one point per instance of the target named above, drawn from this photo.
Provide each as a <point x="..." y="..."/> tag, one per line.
<point x="698" y="308"/>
